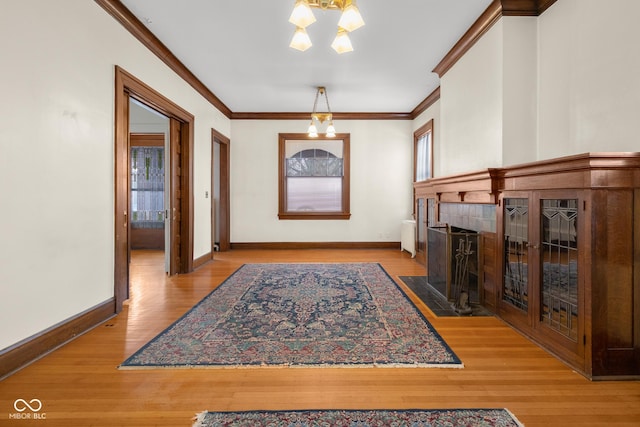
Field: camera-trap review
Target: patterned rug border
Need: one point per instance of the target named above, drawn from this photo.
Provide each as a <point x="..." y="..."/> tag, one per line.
<point x="456" y="364"/>
<point x="200" y="418"/>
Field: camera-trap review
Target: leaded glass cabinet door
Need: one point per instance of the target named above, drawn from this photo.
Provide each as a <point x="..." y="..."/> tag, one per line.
<point x="421" y="231"/>
<point x="516" y="293"/>
<point x="541" y="266"/>
<point x="559" y="311"/>
<point x="515" y="286"/>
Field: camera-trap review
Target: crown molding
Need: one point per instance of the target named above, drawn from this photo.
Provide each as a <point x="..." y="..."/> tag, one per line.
<point x="306" y="116"/>
<point x="525" y="7"/>
<point x="426" y="103"/>
<point x="496" y="10"/>
<point x="132" y="24"/>
<point x="490" y="16"/>
<point x="544" y="5"/>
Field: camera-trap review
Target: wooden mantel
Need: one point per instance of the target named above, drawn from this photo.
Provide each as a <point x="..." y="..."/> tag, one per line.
<point x="473" y="187"/>
<point x="582" y="171"/>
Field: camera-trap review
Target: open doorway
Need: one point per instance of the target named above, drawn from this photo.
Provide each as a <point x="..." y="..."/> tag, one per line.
<point x="220" y="211"/>
<point x="178" y="193"/>
<point x="148" y="151"/>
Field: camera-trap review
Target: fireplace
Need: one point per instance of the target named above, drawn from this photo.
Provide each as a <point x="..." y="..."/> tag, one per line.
<point x="453" y="256"/>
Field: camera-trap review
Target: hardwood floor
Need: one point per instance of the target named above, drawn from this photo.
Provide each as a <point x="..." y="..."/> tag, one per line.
<point x="79" y="384"/>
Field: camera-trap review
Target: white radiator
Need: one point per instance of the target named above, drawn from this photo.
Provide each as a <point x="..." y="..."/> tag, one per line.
<point x="408" y="237"/>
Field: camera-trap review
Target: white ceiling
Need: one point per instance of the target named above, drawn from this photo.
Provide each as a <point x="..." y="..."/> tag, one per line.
<point x="240" y="50"/>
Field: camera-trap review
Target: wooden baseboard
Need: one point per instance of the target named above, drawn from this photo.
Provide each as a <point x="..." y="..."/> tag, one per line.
<point x="315" y="245"/>
<point x="31" y="349"/>
<point x="200" y="261"/>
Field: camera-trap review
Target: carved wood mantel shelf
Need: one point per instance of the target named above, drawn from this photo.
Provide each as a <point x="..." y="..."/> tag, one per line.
<point x="589" y="170"/>
<point x="474" y="187"/>
<point x="595" y="197"/>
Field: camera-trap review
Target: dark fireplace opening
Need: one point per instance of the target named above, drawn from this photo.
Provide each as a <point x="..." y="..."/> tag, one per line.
<point x="452" y="265"/>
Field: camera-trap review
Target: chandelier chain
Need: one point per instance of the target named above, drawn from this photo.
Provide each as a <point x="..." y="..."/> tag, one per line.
<point x="315" y="102"/>
<point x="326" y="98"/>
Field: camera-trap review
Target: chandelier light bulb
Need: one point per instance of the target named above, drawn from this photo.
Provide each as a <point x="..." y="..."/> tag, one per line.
<point x="313" y="131"/>
<point x="342" y="43"/>
<point x="331" y="131"/>
<point x="300" y="40"/>
<point x="302" y="16"/>
<point x="351" y="19"/>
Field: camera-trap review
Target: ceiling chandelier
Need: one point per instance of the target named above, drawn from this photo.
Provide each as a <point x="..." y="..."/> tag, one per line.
<point x="302" y="16"/>
<point x="317" y="117"/>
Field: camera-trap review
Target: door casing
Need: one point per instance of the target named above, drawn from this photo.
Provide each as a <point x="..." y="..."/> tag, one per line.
<point x="224" y="214"/>
<point x="182" y="124"/>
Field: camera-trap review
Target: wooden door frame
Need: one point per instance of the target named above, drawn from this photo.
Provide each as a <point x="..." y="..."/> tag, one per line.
<point x="225" y="213"/>
<point x="126" y="86"/>
<point x="175" y="197"/>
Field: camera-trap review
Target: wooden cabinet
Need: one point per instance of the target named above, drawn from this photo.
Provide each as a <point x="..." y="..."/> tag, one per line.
<point x="564" y="262"/>
<point x="543" y="255"/>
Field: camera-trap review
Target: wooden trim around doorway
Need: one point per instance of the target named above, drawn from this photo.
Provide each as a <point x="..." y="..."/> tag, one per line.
<point x="129" y="86"/>
<point x="225" y="201"/>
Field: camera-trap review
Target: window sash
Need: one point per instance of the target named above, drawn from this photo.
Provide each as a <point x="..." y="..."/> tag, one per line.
<point x="423" y="152"/>
<point x="313" y="177"/>
<point x="314" y="194"/>
<point x="423" y="158"/>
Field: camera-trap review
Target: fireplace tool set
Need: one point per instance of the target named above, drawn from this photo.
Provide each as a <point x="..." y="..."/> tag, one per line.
<point x="461" y="277"/>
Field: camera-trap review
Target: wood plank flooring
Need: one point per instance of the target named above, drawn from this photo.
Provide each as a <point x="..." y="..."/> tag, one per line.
<point x="79" y="384"/>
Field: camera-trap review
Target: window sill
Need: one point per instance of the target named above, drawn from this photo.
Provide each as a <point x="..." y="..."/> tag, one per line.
<point x="314" y="215"/>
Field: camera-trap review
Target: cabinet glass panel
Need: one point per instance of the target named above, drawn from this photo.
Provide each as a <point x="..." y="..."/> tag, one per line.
<point x="420" y="220"/>
<point x="431" y="212"/>
<point x="559" y="251"/>
<point x="516" y="264"/>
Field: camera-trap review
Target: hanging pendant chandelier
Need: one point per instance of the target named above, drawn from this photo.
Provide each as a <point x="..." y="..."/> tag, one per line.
<point x="321" y="117"/>
<point x="302" y="16"/>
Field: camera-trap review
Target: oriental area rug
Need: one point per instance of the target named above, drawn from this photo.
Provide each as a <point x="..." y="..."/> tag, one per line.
<point x="378" y="418"/>
<point x="308" y="315"/>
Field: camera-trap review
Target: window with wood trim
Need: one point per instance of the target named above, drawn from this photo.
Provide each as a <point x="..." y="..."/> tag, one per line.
<point x="313" y="177"/>
<point x="423" y="152"/>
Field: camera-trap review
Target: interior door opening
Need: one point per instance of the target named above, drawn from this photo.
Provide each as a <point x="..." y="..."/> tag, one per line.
<point x="178" y="194"/>
<point x="149" y="155"/>
<point x="220" y="228"/>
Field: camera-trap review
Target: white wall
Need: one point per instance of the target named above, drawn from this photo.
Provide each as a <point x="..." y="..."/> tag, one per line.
<point x="589" y="75"/>
<point x="520" y="89"/>
<point x="537" y="88"/>
<point x="56" y="157"/>
<point x="471" y="106"/>
<point x="381" y="190"/>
